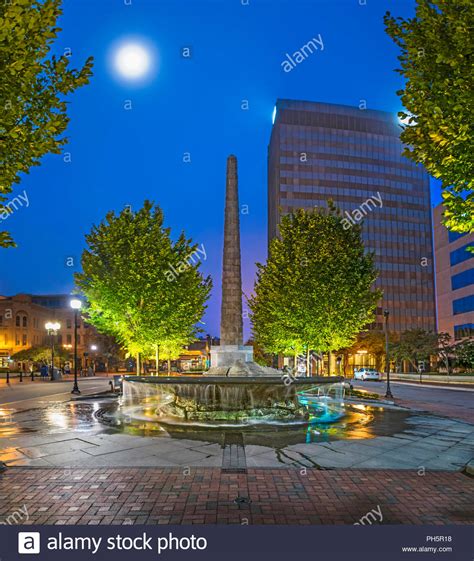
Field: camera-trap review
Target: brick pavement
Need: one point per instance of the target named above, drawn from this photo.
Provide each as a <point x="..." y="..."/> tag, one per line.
<point x="207" y="496"/>
<point x="441" y="409"/>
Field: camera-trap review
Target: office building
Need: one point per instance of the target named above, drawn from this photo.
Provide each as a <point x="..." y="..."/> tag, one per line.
<point x="321" y="151"/>
<point x="454" y="280"/>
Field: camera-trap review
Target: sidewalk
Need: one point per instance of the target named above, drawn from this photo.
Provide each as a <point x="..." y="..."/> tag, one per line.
<point x="212" y="496"/>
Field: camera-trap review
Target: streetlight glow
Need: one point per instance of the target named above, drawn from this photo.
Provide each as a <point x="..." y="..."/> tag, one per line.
<point x="52" y="325"/>
<point x="75" y="304"/>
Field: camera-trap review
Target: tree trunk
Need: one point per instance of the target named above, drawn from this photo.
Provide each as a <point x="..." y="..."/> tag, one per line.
<point x="308" y="363"/>
<point x="157" y="359"/>
<point x="329" y="363"/>
<point x="345" y="360"/>
<point x="169" y="366"/>
<point x="138" y="364"/>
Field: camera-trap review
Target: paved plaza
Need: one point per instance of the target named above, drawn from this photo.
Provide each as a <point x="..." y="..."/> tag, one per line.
<point x="211" y="496"/>
<point x="50" y="430"/>
<point x="65" y="466"/>
<point x="431" y="443"/>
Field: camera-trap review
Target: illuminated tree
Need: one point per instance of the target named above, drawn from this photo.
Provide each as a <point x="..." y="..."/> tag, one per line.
<point x="126" y="282"/>
<point x="32" y="90"/>
<point x="315" y="291"/>
<point x="436" y="62"/>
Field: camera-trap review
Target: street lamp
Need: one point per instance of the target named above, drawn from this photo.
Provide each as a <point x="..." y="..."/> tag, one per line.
<point x="388" y="393"/>
<point x="52" y="327"/>
<point x="94" y="350"/>
<point x="76" y="306"/>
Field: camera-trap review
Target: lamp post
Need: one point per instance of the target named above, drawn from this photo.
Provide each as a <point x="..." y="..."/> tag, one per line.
<point x="52" y="327"/>
<point x="94" y="356"/>
<point x="76" y="306"/>
<point x="388" y="393"/>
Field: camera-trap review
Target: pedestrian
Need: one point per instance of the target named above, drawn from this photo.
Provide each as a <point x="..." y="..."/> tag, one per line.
<point x="44" y="371"/>
<point x="90" y="371"/>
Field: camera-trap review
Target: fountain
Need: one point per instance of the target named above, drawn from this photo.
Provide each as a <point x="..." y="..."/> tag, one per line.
<point x="238" y="400"/>
<point x="235" y="389"/>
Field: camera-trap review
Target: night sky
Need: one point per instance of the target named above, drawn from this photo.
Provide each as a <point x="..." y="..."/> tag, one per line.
<point x="121" y="156"/>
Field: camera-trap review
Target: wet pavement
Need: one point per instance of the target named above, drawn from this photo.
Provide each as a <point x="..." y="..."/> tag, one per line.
<point x="85" y="433"/>
<point x="457" y="403"/>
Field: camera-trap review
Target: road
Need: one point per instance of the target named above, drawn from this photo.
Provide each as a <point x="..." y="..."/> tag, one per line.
<point x="27" y="395"/>
<point x="450" y="402"/>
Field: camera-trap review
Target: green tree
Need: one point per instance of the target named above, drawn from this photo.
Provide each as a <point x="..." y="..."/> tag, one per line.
<point x="444" y="349"/>
<point x="464" y="354"/>
<point x="140" y="285"/>
<point x="42" y="354"/>
<point x="437" y="47"/>
<point x="315" y="291"/>
<point x="415" y="345"/>
<point x="33" y="87"/>
<point x="371" y="342"/>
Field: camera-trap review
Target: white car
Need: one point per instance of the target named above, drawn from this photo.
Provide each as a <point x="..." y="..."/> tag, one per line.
<point x="367" y="374"/>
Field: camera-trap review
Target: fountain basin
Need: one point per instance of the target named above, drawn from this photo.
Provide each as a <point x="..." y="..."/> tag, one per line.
<point x="237" y="399"/>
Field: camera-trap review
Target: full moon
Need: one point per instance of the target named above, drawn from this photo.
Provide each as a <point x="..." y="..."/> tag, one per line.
<point x="132" y="61"/>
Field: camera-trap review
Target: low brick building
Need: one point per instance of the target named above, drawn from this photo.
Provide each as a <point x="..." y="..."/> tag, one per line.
<point x="22" y="326"/>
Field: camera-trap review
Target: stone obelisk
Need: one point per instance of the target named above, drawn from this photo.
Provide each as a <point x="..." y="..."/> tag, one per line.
<point x="231" y="349"/>
<point x="231" y="307"/>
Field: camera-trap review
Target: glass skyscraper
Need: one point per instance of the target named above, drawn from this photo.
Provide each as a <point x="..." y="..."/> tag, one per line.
<point x="321" y="151"/>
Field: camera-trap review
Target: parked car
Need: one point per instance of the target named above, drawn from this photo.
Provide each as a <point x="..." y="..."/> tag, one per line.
<point x="367" y="374"/>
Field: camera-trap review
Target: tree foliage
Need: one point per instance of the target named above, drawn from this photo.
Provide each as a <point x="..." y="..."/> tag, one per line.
<point x="33" y="88"/>
<point x="315" y="291"/>
<point x="437" y="48"/>
<point x="464" y="354"/>
<point x="415" y="345"/>
<point x="371" y="342"/>
<point x="130" y="294"/>
<point x="42" y="354"/>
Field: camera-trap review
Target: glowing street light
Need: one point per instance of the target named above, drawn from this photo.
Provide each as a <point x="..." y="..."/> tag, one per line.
<point x="388" y="393"/>
<point x="76" y="305"/>
<point x="52" y="327"/>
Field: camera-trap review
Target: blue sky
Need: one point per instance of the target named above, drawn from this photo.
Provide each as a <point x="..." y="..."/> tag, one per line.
<point x="122" y="156"/>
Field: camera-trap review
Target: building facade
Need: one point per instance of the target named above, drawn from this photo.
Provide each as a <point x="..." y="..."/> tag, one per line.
<point x="321" y="151"/>
<point x="454" y="280"/>
<point x="22" y="326"/>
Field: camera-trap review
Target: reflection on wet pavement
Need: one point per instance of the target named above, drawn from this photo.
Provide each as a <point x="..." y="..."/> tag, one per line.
<point x="53" y="418"/>
<point x="92" y="433"/>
